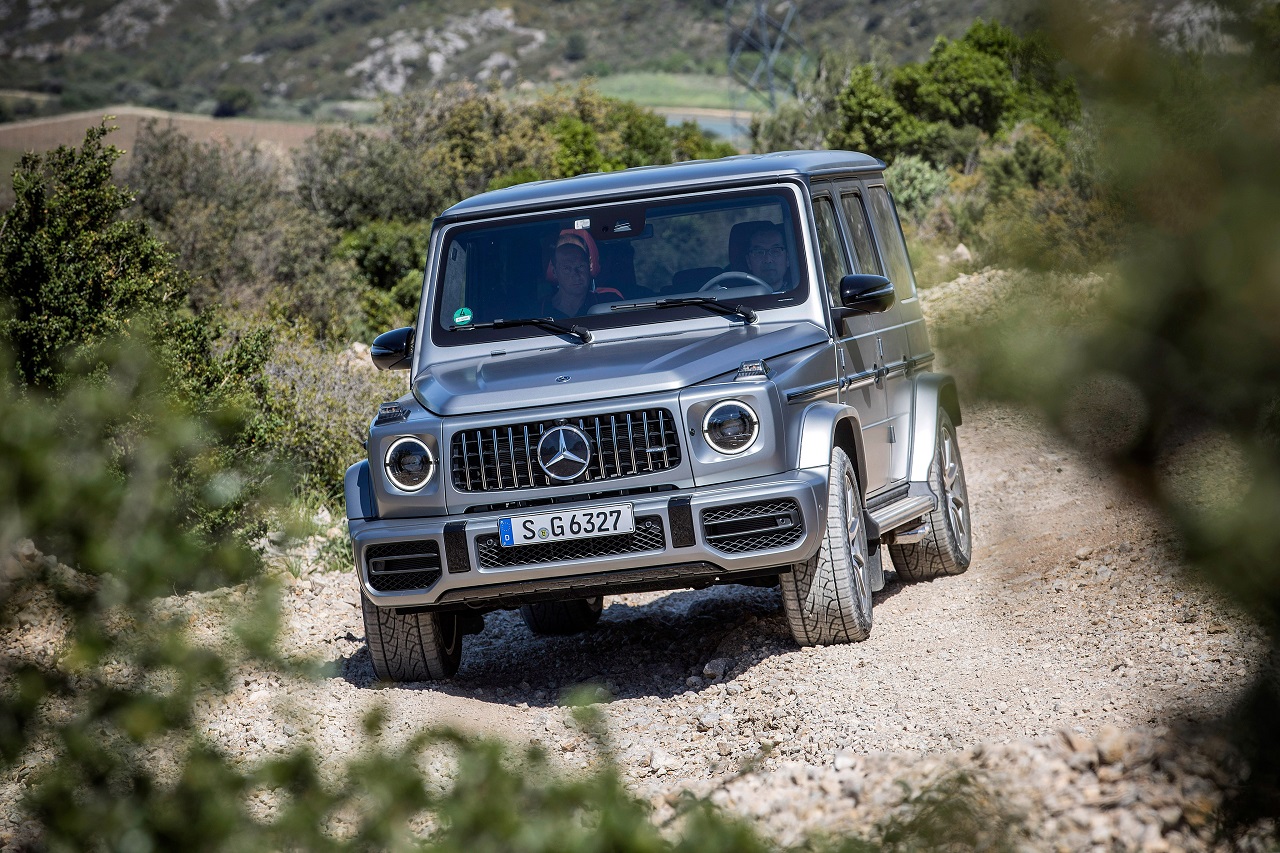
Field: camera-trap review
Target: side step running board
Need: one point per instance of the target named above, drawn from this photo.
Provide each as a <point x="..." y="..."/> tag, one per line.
<point x="900" y="512"/>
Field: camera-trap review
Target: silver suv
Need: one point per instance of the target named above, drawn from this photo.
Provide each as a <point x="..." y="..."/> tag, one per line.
<point x="665" y="377"/>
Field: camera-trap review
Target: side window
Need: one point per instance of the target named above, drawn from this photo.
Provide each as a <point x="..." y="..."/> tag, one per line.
<point x="834" y="265"/>
<point x="895" y="250"/>
<point x="864" y="249"/>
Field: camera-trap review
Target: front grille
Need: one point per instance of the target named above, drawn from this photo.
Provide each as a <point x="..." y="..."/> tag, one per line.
<point x="760" y="526"/>
<point x="649" y="536"/>
<point x="400" y="566"/>
<point x="623" y="444"/>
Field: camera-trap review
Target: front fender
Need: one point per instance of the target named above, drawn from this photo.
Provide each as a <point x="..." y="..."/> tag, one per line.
<point x="358" y="486"/>
<point x="826" y="425"/>
<point x="931" y="392"/>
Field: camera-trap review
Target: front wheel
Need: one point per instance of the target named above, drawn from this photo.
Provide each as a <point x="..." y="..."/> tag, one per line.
<point x="411" y="646"/>
<point x="948" y="547"/>
<point x="827" y="599"/>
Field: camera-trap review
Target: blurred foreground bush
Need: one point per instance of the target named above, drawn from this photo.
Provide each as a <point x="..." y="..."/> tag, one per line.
<point x="1173" y="376"/>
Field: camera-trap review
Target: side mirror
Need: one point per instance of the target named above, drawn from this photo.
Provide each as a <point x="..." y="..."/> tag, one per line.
<point x="866" y="294"/>
<point x="393" y="350"/>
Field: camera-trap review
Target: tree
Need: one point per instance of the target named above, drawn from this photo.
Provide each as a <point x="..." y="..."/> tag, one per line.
<point x="233" y="101"/>
<point x="983" y="85"/>
<point x="73" y="270"/>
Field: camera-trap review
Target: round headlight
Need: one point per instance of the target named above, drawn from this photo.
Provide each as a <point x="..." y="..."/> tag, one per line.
<point x="409" y="463"/>
<point x="730" y="426"/>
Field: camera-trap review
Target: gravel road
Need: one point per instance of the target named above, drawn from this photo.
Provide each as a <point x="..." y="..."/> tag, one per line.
<point x="1052" y="669"/>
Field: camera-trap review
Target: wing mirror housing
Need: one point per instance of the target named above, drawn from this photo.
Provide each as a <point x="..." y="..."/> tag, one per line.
<point x="861" y="293"/>
<point x="393" y="350"/>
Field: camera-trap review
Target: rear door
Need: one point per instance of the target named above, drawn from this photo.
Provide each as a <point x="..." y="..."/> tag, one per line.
<point x="902" y="331"/>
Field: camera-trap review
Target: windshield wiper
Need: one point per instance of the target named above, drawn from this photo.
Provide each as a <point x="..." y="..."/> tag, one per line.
<point x="580" y="332"/>
<point x="709" y="302"/>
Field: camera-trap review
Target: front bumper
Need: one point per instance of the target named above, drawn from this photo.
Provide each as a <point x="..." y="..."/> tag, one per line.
<point x="683" y="537"/>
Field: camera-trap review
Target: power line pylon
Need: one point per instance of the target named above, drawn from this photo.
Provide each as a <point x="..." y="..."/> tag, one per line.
<point x="765" y="58"/>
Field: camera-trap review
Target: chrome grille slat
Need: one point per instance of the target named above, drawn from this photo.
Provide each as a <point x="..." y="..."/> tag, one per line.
<point x="662" y="428"/>
<point x="528" y="455"/>
<point x="613" y="436"/>
<point x="466" y="462"/>
<point x="497" y="459"/>
<point x="489" y="458"/>
<point x="511" y="451"/>
<point x="631" y="445"/>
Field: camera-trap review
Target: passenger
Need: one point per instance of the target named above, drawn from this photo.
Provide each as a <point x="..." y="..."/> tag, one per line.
<point x="767" y="257"/>
<point x="573" y="268"/>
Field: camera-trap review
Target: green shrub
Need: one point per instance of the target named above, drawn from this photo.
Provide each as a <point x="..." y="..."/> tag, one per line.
<point x="871" y="119"/>
<point x="575" y="47"/>
<point x="233" y="101"/>
<point x="389" y="258"/>
<point x="384" y="252"/>
<point x="444" y="145"/>
<point x="984" y="84"/>
<point x="246" y="242"/>
<point x="321" y="400"/>
<point x="915" y="184"/>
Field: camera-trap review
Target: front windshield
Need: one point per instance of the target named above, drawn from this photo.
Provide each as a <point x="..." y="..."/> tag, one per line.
<point x="590" y="266"/>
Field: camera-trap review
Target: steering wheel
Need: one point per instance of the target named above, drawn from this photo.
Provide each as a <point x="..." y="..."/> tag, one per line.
<point x="717" y="282"/>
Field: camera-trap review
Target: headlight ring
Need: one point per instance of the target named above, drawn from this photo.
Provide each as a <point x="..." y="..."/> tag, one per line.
<point x="409" y="463"/>
<point x="730" y="427"/>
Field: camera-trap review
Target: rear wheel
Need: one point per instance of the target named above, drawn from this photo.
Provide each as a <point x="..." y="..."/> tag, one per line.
<point x="827" y="599"/>
<point x="948" y="547"/>
<point x="411" y="646"/>
<point x="558" y="618"/>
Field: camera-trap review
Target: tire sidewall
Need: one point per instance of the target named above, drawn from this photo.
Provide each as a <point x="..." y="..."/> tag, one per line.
<point x="964" y="555"/>
<point x="846" y="499"/>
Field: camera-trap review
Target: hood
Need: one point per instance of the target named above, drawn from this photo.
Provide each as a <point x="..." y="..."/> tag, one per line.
<point x="603" y="369"/>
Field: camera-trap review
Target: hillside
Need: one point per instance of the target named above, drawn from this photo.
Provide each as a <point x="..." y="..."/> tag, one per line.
<point x="271" y="57"/>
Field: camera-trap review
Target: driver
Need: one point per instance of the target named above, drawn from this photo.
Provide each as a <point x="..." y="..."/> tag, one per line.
<point x="573" y="268"/>
<point x="767" y="257"/>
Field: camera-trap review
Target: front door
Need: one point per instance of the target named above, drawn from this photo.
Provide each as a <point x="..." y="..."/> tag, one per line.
<point x="856" y="346"/>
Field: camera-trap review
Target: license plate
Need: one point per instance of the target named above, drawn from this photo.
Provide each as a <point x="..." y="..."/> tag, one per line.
<point x="566" y="524"/>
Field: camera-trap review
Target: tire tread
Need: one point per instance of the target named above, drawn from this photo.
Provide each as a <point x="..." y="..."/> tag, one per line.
<point x="411" y="646"/>
<point x="819" y="596"/>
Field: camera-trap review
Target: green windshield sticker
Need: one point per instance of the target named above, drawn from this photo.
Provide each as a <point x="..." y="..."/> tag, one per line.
<point x="462" y="316"/>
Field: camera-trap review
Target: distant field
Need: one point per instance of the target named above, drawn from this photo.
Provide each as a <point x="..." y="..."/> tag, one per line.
<point x="44" y="134"/>
<point x="655" y="89"/>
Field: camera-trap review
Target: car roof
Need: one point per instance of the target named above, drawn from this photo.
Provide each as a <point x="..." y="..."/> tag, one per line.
<point x="601" y="186"/>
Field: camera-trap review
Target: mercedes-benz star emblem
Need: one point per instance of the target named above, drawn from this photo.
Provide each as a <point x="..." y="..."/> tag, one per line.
<point x="563" y="452"/>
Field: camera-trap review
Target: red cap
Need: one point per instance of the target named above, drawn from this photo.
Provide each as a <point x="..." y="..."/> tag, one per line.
<point x="580" y="239"/>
